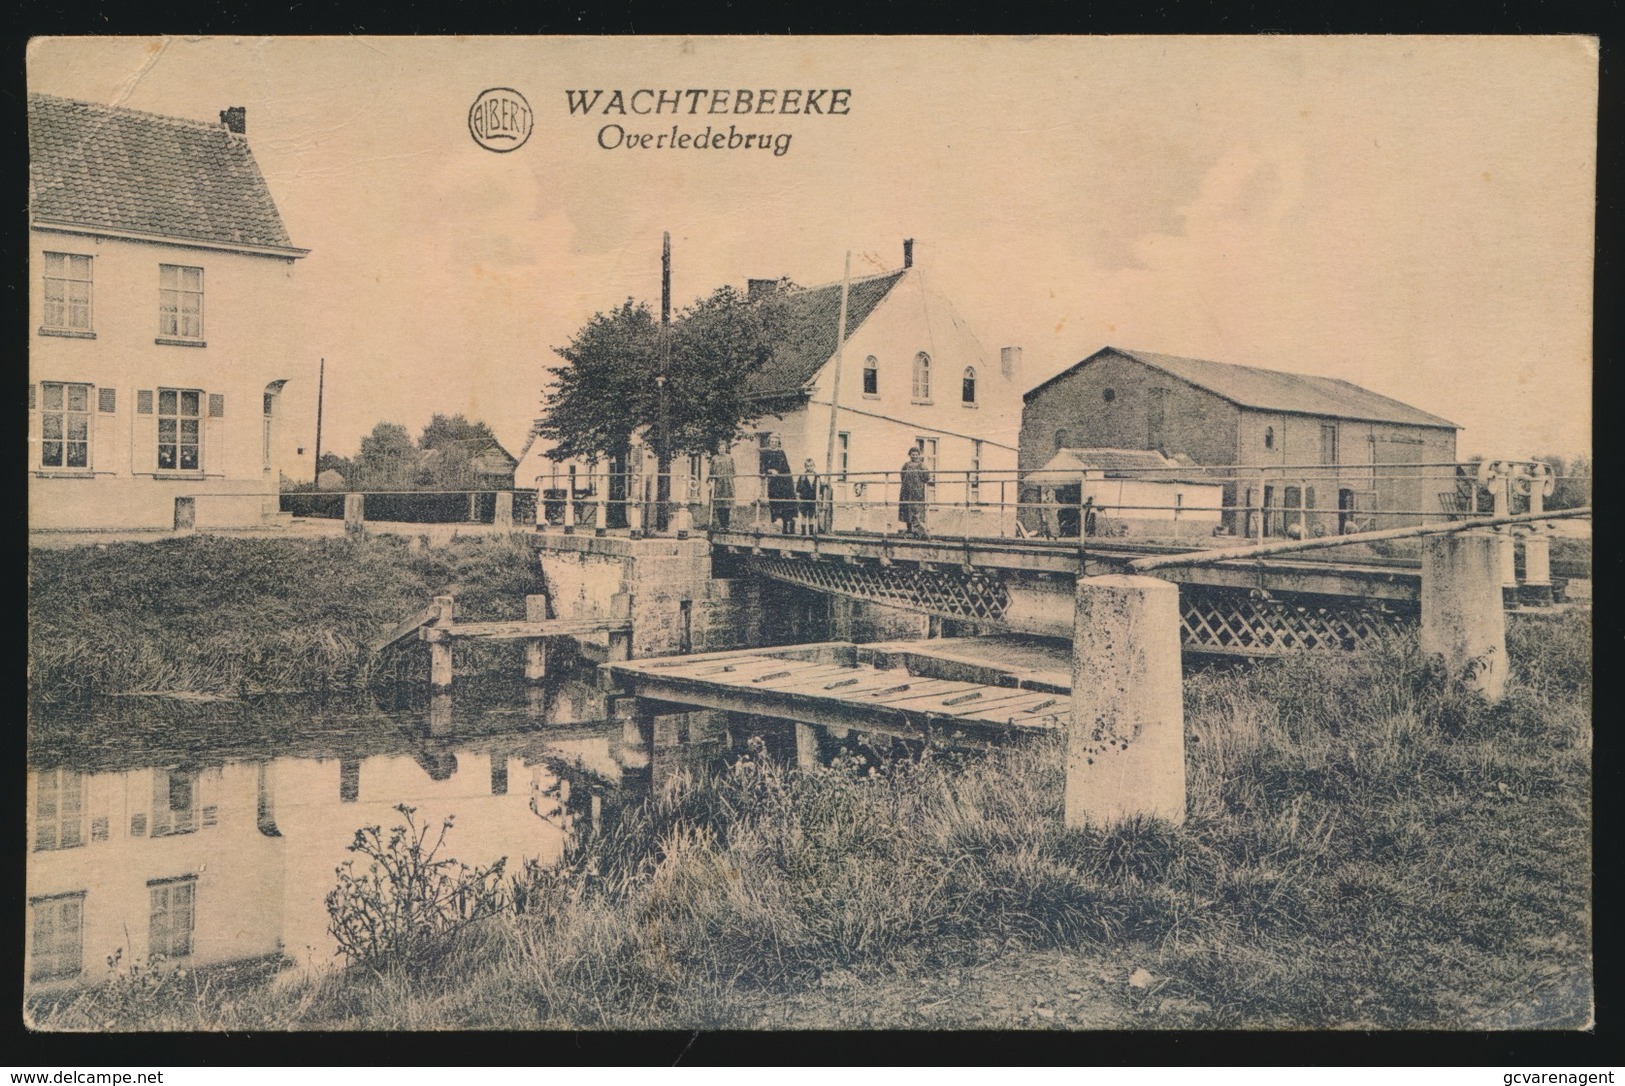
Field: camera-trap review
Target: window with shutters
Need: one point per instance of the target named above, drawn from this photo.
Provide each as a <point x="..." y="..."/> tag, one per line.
<point x="173" y="916"/>
<point x="180" y="302"/>
<point x="174" y="802"/>
<point x="64" y="425"/>
<point x="67" y="293"/>
<point x="56" y="946"/>
<point x="180" y="429"/>
<point x="59" y="809"/>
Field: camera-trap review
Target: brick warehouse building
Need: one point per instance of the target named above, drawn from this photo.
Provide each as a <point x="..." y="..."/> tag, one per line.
<point x="1312" y="454"/>
<point x="162" y="323"/>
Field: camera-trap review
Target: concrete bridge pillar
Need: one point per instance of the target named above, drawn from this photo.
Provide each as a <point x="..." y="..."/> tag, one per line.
<point x="1537" y="546"/>
<point x="1501" y="493"/>
<point x="1463" y="618"/>
<point x="1126" y="747"/>
<point x="355" y="515"/>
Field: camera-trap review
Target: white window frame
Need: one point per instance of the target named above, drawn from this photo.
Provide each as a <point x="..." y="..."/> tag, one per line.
<point x="871" y="377"/>
<point x="54" y="944"/>
<point x="176" y="287"/>
<point x="171" y="916"/>
<point x="169" y="820"/>
<point x="929" y="447"/>
<point x="59" y="809"/>
<point x="62" y="283"/>
<point x="922" y="378"/>
<point x="179" y="418"/>
<point x="66" y="415"/>
<point x="843" y="453"/>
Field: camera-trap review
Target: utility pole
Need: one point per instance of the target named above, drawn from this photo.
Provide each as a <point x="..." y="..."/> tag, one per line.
<point x="663" y="448"/>
<point x="835" y="389"/>
<point x="321" y="385"/>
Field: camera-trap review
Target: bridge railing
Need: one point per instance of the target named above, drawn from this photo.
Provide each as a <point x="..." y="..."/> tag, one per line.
<point x="1177" y="503"/>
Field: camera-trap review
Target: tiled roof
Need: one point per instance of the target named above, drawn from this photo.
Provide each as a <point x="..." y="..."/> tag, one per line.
<point x="1147" y="464"/>
<point x="810" y="341"/>
<point x="102" y="167"/>
<point x="1273" y="390"/>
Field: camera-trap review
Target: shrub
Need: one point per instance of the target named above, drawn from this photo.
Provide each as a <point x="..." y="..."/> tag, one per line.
<point x="409" y="905"/>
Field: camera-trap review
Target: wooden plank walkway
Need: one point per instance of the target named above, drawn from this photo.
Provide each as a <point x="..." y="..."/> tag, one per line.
<point x="805" y="685"/>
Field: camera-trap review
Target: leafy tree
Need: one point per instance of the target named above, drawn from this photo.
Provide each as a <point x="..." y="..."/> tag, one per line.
<point x="449" y="445"/>
<point x="605" y="391"/>
<point x="388" y="459"/>
<point x="610" y="387"/>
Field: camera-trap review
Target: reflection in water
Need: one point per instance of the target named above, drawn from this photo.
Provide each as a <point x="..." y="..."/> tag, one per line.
<point x="210" y="834"/>
<point x="229" y="856"/>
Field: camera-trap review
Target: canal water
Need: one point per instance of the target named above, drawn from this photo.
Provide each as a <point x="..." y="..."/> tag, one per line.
<point x="209" y="832"/>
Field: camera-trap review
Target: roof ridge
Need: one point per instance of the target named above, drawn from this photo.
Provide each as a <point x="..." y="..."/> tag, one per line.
<point x="166" y="118"/>
<point x="855" y="280"/>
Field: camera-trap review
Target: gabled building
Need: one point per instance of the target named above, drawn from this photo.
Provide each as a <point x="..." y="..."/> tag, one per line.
<point x="911" y="373"/>
<point x="1309" y="455"/>
<point x="163" y="330"/>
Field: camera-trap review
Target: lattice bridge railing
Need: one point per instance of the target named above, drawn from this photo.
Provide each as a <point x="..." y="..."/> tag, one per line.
<point x="972" y="597"/>
<point x="1218" y="620"/>
<point x="1253" y="624"/>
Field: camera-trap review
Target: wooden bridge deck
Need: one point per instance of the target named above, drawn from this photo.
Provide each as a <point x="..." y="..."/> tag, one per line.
<point x="827" y="685"/>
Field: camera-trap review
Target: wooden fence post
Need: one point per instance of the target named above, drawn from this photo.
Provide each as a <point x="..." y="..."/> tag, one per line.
<point x="440" y="651"/>
<point x="536" y="647"/>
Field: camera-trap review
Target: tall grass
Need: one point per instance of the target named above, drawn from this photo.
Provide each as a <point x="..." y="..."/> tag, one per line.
<point x="1366" y="848"/>
<point x="228" y="617"/>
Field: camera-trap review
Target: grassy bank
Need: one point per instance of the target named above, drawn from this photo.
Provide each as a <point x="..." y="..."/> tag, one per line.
<point x="230" y="617"/>
<point x="1366" y="848"/>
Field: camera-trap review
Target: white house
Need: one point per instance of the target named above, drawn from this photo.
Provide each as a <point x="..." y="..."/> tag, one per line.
<point x="911" y="373"/>
<point x="164" y="377"/>
<point x="1132" y="492"/>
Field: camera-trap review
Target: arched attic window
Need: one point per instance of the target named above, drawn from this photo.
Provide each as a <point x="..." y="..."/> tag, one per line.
<point x="871" y="376"/>
<point x="922" y="378"/>
<point x="967" y="386"/>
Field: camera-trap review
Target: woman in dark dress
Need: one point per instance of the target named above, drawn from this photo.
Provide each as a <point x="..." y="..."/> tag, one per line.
<point x="911" y="494"/>
<point x="781" y="485"/>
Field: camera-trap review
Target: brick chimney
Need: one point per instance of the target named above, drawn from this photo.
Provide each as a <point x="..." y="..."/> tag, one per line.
<point x="1010" y="362"/>
<point x="235" y="119"/>
<point x="757" y="288"/>
<point x="908" y="253"/>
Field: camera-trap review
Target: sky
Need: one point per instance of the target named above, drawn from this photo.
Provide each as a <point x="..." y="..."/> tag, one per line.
<point x="1414" y="215"/>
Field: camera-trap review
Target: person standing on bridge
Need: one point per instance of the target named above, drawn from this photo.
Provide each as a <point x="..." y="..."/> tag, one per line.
<point x="722" y="489"/>
<point x="781" y="486"/>
<point x="807" y="496"/>
<point x="911" y="494"/>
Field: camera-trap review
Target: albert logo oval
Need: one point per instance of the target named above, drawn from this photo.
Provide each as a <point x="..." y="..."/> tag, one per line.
<point x="500" y="120"/>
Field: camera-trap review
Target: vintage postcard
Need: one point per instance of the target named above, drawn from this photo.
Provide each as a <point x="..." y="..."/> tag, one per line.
<point x="810" y="533"/>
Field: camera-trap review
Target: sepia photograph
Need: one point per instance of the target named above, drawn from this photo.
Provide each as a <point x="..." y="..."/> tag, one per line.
<point x="809" y="533"/>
